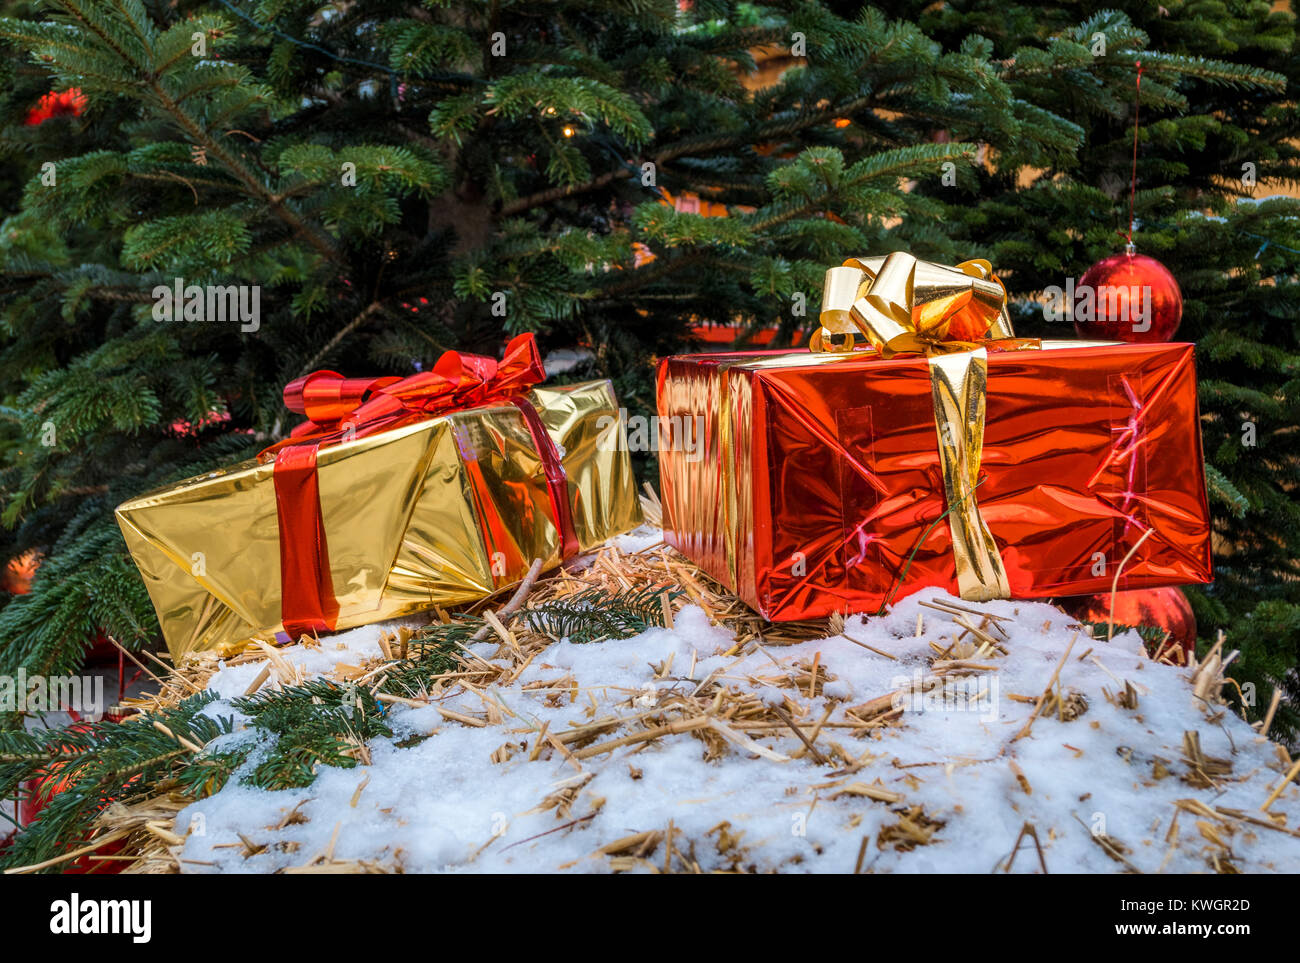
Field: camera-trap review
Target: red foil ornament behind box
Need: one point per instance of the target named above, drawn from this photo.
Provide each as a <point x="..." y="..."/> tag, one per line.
<point x="813" y="483"/>
<point x="1164" y="609"/>
<point x="37" y="793"/>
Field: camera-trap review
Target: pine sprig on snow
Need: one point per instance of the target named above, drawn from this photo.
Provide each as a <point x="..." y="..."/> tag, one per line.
<point x="594" y="616"/>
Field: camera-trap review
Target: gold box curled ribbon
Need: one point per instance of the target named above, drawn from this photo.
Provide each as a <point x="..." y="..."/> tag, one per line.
<point x="435" y="512"/>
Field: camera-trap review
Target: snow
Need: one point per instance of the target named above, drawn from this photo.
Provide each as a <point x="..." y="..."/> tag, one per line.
<point x="443" y="805"/>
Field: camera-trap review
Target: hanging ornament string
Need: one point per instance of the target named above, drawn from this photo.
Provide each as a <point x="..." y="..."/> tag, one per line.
<point x="1133" y="181"/>
<point x="1112" y="320"/>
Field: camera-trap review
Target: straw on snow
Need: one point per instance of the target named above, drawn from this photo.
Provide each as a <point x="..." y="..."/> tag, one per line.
<point x="764" y="707"/>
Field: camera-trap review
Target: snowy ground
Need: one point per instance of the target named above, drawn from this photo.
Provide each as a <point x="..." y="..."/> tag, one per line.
<point x="943" y="787"/>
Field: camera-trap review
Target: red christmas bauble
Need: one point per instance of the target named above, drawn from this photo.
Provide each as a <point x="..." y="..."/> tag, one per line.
<point x="61" y="103"/>
<point x="1127" y="297"/>
<point x="1166" y="609"/>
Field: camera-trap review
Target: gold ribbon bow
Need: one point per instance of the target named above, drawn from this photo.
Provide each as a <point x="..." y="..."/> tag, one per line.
<point x="903" y="305"/>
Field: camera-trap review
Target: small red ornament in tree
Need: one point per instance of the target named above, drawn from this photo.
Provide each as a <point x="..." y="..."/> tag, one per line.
<point x="1128" y="297"/>
<point x="16" y="577"/>
<point x="62" y="103"/>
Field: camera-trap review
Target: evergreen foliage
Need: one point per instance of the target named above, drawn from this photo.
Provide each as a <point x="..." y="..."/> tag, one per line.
<point x="78" y="771"/>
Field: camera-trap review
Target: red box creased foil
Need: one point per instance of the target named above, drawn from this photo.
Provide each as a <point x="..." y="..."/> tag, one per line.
<point x="811" y="483"/>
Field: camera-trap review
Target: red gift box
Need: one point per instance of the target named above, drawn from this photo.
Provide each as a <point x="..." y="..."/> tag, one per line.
<point x="813" y="483"/>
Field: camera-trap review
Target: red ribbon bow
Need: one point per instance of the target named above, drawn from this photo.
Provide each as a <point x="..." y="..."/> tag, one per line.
<point x="340" y="409"/>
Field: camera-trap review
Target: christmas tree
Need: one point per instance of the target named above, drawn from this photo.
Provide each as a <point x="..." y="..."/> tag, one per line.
<point x="375" y="184"/>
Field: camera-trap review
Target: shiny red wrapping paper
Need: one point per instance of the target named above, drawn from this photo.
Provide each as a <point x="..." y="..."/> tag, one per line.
<point x="805" y="482"/>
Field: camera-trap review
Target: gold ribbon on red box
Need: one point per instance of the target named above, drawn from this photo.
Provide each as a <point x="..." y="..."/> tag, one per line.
<point x="902" y="305"/>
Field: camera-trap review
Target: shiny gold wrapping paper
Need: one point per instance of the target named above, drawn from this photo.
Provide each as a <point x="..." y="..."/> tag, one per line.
<point x="434" y="513"/>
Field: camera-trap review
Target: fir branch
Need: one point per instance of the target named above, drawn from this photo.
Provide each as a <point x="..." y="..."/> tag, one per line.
<point x="595" y="615"/>
<point x="695" y="146"/>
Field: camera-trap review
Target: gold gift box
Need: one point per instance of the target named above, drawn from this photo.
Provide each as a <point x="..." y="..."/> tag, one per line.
<point x="435" y="513"/>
